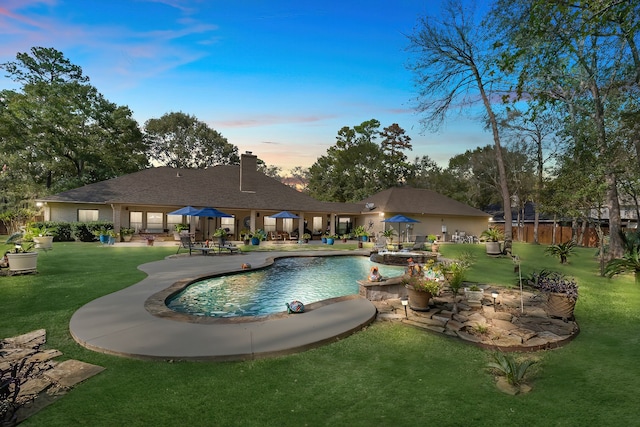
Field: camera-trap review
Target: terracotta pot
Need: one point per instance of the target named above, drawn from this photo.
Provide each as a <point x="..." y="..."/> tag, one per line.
<point x="418" y="300"/>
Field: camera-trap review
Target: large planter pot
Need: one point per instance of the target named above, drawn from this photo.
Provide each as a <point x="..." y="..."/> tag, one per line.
<point x="473" y="296"/>
<point x="365" y="238"/>
<point x="104" y="238"/>
<point x="23" y="262"/>
<point x="43" y="242"/>
<point x="558" y="305"/>
<point x="418" y="300"/>
<point x="329" y="241"/>
<point x="255" y="241"/>
<point x="493" y="248"/>
<point x="323" y="239"/>
<point x="127" y="237"/>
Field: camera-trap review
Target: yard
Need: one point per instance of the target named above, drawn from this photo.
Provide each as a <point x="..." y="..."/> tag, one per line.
<point x="387" y="375"/>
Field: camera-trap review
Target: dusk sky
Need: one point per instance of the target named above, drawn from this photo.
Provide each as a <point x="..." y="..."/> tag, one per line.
<point x="278" y="78"/>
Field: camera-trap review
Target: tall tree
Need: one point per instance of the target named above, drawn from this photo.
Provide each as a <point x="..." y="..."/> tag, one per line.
<point x="64" y="132"/>
<point x="585" y="55"/>
<point x="535" y="131"/>
<point x="394" y="141"/>
<point x="455" y="65"/>
<point x="351" y="169"/>
<point x="180" y="140"/>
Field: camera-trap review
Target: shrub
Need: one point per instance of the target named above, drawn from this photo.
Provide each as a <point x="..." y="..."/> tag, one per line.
<point x="508" y="366"/>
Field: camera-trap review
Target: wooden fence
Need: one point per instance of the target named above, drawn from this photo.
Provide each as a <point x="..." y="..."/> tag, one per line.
<point x="563" y="233"/>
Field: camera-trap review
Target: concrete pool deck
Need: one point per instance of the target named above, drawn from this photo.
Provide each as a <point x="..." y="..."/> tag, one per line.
<point x="120" y="324"/>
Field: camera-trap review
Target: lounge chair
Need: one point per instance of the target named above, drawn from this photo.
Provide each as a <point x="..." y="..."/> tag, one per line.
<point x="419" y="243"/>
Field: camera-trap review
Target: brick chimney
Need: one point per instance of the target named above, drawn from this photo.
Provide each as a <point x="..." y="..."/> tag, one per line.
<point x="248" y="172"/>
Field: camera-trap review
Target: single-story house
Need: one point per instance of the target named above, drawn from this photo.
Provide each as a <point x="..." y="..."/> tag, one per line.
<point x="438" y="215"/>
<point x="143" y="201"/>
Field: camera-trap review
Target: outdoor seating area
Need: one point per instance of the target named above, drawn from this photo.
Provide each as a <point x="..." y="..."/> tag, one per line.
<point x="186" y="242"/>
<point x="463" y="237"/>
<point x="282" y="236"/>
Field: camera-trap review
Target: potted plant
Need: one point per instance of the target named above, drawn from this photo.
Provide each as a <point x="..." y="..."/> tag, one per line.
<point x="112" y="237"/>
<point x="323" y="238"/>
<point x="258" y="236"/>
<point x="246" y="235"/>
<point x="102" y="233"/>
<point x="344" y="238"/>
<point x="432" y="238"/>
<point x="221" y="234"/>
<point x="561" y="292"/>
<point x="21" y="259"/>
<point x="389" y="234"/>
<point x="361" y="233"/>
<point x="331" y="239"/>
<point x="492" y="236"/>
<point x="454" y="273"/>
<point x="180" y="229"/>
<point x="306" y="237"/>
<point x="422" y="287"/>
<point x="127" y="234"/>
<point x="474" y="294"/>
<point x="150" y="238"/>
<point x="42" y="236"/>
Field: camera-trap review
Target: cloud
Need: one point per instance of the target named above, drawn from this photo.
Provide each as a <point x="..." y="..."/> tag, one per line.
<point x="270" y="120"/>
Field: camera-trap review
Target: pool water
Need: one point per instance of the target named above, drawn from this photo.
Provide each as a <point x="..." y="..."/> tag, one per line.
<point x="261" y="292"/>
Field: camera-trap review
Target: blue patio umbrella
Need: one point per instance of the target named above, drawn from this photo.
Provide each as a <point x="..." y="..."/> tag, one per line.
<point x="187" y="210"/>
<point x="400" y="219"/>
<point x="211" y="213"/>
<point x="284" y="214"/>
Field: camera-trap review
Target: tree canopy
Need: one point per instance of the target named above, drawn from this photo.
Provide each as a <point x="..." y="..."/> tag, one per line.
<point x="180" y="140"/>
<point x="58" y="132"/>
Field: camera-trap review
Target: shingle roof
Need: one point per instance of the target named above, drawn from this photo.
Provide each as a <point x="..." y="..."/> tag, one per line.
<point x="410" y="200"/>
<point x="218" y="187"/>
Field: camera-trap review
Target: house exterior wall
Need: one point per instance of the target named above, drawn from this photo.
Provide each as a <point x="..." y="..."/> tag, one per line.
<point x="429" y="224"/>
<point x="69" y="211"/>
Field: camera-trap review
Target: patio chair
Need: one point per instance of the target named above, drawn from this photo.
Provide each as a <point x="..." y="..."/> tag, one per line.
<point x="185" y="243"/>
<point x="418" y="245"/>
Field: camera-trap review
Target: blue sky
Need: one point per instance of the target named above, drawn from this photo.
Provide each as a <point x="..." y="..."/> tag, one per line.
<point x="278" y="78"/>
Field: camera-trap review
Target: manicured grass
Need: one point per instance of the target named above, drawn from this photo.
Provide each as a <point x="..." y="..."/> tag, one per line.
<point x="386" y="375"/>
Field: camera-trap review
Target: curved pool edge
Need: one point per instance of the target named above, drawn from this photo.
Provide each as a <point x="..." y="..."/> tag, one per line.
<point x="119" y="324"/>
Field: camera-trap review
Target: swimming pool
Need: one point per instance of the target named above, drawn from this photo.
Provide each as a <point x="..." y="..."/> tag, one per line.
<point x="262" y="292"/>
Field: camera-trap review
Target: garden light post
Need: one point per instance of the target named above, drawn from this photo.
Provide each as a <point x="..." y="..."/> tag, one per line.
<point x="494" y="295"/>
<point x="405" y="303"/>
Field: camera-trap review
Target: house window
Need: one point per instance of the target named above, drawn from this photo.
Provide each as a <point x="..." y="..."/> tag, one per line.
<point x="135" y="220"/>
<point x="230" y="224"/>
<point x="318" y="227"/>
<point x="287" y="225"/>
<point x="269" y="224"/>
<point x="172" y="220"/>
<point x="87" y="215"/>
<point x="344" y="225"/>
<point x="154" y="222"/>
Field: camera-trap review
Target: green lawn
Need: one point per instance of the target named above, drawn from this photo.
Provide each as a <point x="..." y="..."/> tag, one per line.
<point x="386" y="375"/>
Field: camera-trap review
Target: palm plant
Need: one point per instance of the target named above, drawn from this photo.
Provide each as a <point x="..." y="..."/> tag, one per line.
<point x="389" y="234"/>
<point x="630" y="261"/>
<point x="561" y="250"/>
<point x="507" y="365"/>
